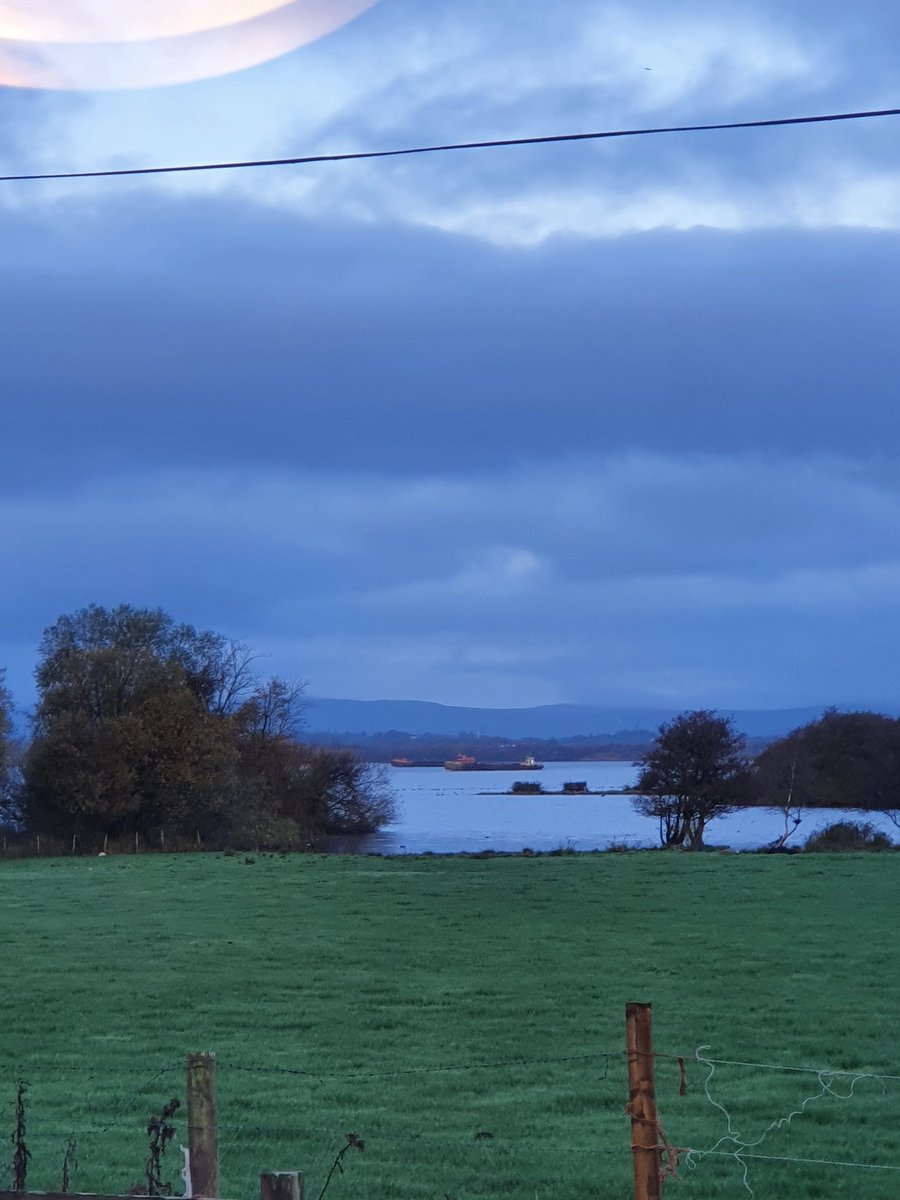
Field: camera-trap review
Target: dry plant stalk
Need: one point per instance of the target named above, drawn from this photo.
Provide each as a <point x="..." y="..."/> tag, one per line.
<point x="160" y="1133"/>
<point x="21" y="1153"/>
<point x="353" y="1143"/>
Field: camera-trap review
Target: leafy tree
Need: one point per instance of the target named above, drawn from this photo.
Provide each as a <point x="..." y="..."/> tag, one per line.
<point x="143" y="724"/>
<point x="843" y="760"/>
<point x="696" y="771"/>
<point x="104" y="662"/>
<point x="124" y="738"/>
<point x="293" y="793"/>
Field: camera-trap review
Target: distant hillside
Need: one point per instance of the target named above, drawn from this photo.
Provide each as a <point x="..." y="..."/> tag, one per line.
<point x="439" y="747"/>
<point x="545" y="721"/>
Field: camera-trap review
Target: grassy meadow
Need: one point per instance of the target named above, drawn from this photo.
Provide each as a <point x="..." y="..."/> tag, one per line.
<point x="421" y="1002"/>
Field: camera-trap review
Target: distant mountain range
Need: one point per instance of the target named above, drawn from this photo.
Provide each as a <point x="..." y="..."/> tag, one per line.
<point x="544" y="721"/>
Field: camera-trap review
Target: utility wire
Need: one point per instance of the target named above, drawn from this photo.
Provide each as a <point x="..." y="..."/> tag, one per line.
<point x="493" y="144"/>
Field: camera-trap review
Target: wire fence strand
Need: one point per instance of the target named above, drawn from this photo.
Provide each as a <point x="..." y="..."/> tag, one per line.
<point x="834" y="1084"/>
<point x="596" y="1056"/>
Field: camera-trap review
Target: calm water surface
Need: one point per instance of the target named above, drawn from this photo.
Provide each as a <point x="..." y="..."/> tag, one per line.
<point x="444" y="812"/>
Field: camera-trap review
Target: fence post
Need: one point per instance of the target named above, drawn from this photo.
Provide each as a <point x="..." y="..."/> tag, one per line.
<point x="281" y="1185"/>
<point x="203" y="1128"/>
<point x="645" y="1148"/>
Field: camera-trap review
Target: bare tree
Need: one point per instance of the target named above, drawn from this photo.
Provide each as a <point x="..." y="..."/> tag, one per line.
<point x="273" y="709"/>
<point x="10" y="754"/>
<point x="228" y="674"/>
<point x="695" y="771"/>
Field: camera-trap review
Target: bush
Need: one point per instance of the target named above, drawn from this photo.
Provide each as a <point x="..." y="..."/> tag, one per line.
<point x="356" y="796"/>
<point x="848" y="835"/>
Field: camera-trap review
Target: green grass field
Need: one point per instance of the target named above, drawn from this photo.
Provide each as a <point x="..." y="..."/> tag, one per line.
<point x="419" y="1002"/>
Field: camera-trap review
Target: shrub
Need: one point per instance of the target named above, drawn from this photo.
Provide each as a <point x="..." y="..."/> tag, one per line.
<point x="848" y="835"/>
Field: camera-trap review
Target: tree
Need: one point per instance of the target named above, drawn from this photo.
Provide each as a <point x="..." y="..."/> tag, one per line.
<point x="355" y="796"/>
<point x="292" y="794"/>
<point x="8" y="788"/>
<point x="784" y="780"/>
<point x="273" y="709"/>
<point x="125" y="740"/>
<point x="103" y="662"/>
<point x="144" y="725"/>
<point x="696" y="770"/>
<point x="274" y="805"/>
<point x="6" y="725"/>
<point x="842" y="760"/>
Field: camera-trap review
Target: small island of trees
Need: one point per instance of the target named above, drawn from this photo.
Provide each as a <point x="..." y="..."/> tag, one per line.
<point x="150" y="730"/>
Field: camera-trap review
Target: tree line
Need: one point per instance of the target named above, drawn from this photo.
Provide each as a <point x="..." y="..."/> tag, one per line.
<point x="151" y="728"/>
<point x="148" y="728"/>
<point x="394" y="743"/>
<point x="699" y="769"/>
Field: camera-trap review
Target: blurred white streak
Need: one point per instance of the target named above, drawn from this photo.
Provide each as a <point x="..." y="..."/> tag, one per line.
<point x="162" y="60"/>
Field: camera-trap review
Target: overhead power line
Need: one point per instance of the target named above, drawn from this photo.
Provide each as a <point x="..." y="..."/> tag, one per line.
<point x="492" y="144"/>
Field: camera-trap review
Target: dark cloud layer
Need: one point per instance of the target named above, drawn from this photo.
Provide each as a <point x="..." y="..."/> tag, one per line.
<point x="730" y="579"/>
<point x="210" y="332"/>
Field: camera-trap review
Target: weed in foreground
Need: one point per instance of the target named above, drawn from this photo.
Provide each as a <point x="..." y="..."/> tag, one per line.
<point x="160" y="1133"/>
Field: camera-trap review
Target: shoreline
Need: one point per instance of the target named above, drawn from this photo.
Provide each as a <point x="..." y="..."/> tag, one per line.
<point x="560" y="792"/>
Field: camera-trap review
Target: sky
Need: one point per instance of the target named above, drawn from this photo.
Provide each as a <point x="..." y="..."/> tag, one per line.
<point x="603" y="422"/>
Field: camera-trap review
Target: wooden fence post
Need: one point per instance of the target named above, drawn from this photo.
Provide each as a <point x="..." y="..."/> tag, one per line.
<point x="281" y="1185"/>
<point x="203" y="1127"/>
<point x="646" y="1151"/>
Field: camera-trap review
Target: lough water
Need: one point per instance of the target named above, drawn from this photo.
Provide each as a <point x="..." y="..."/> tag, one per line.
<point x="446" y="812"/>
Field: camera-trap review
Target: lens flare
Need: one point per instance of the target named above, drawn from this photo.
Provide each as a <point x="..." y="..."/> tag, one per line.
<point x="118" y="21"/>
<point x="42" y="45"/>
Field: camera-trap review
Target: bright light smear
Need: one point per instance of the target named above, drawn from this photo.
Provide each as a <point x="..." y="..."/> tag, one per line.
<point x="121" y="20"/>
<point x="167" y="42"/>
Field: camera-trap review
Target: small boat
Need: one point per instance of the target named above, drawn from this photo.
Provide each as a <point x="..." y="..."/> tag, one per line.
<point x="465" y="762"/>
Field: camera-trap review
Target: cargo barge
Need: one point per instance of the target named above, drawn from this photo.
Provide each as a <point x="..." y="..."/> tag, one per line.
<point x="465" y="762"/>
<point x="417" y="762"/>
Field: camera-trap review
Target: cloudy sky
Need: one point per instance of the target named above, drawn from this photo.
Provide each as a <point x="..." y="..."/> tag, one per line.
<point x="609" y="422"/>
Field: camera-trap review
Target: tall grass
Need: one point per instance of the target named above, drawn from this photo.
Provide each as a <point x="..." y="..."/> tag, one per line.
<point x="424" y="1004"/>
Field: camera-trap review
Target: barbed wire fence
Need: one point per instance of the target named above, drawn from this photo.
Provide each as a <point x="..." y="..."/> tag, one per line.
<point x="725" y="1123"/>
<point x="86" y="1119"/>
